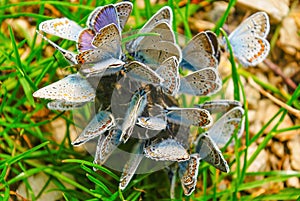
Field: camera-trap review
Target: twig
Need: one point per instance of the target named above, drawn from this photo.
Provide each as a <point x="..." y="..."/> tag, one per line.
<point x="290" y="109"/>
<point x="279" y="72"/>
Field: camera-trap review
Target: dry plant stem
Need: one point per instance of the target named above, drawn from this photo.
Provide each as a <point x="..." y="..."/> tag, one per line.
<point x="18" y="195"/>
<point x="290" y="109"/>
<point x="278" y="71"/>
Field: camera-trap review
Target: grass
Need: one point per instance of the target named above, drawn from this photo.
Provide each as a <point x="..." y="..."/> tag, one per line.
<point x="27" y="148"/>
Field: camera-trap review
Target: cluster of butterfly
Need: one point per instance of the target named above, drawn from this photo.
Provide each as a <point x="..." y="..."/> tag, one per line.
<point x="153" y="58"/>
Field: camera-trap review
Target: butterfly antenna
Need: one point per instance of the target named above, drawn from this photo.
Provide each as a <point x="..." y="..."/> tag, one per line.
<point x="70" y="56"/>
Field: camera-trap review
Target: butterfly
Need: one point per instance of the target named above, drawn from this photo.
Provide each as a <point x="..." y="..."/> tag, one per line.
<point x="202" y="51"/>
<point x="97" y="20"/>
<point x="136" y="106"/>
<point x="189" y="116"/>
<point x="103" y="121"/>
<point x="208" y="144"/>
<point x="166" y="150"/>
<point x="232" y="122"/>
<point x="72" y="89"/>
<point x="202" y="82"/>
<point x="106" y="55"/>
<point x="248" y="40"/>
<point x="131" y="165"/>
<point x="102" y="16"/>
<point x="188" y="173"/>
<point x="107" y="145"/>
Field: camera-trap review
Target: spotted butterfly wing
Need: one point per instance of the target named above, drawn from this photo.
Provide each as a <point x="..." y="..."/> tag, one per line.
<point x="216" y="106"/>
<point x="61" y="27"/>
<point x="248" y="39"/>
<point x="189" y="116"/>
<point x="164" y="14"/>
<point x="229" y="124"/>
<point x="257" y="25"/>
<point x="250" y="51"/>
<point x="209" y="152"/>
<point x="132" y="165"/>
<point x="203" y="82"/>
<point x="106" y="146"/>
<point x="64" y="106"/>
<point x="157" y="53"/>
<point x="124" y="10"/>
<point x="141" y="72"/>
<point x="169" y="71"/>
<point x="166" y="150"/>
<point x="108" y="43"/>
<point x="102" y="122"/>
<point x="199" y="53"/>
<point x="73" y="88"/>
<point x="188" y="173"/>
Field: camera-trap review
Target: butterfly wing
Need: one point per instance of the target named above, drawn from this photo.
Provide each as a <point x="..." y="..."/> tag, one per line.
<point x="103" y="16"/>
<point x="189" y="116"/>
<point x="124" y="10"/>
<point x="64" y="106"/>
<point x="169" y="71"/>
<point x="163" y="32"/>
<point x="215" y="43"/>
<point x="85" y="39"/>
<point x="107" y="66"/>
<point x="229" y="124"/>
<point x="157" y="53"/>
<point x="152" y="123"/>
<point x="256" y="25"/>
<point x="248" y="39"/>
<point x="136" y="106"/>
<point x="72" y="88"/>
<point x="141" y="72"/>
<point x="97" y="153"/>
<point x="61" y="27"/>
<point x="210" y="153"/>
<point x="107" y="43"/>
<point x="199" y="53"/>
<point x="132" y="165"/>
<point x="216" y="106"/>
<point x="188" y="173"/>
<point x="102" y="122"/>
<point x="164" y="14"/>
<point x="250" y="50"/>
<point x="166" y="150"/>
<point x="107" y="146"/>
<point x="109" y="39"/>
<point x="203" y="82"/>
